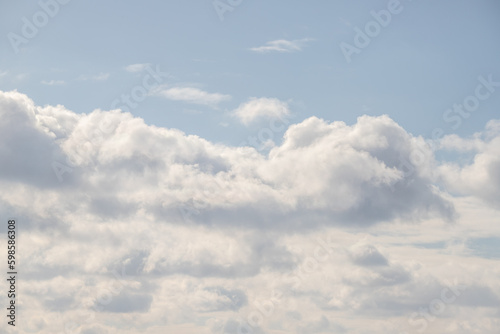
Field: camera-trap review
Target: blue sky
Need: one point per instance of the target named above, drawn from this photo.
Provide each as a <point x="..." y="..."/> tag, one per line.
<point x="427" y="58"/>
<point x="244" y="166"/>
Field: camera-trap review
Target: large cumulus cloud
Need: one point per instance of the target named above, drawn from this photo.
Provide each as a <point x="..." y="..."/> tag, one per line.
<point x="126" y="227"/>
<point x="323" y="172"/>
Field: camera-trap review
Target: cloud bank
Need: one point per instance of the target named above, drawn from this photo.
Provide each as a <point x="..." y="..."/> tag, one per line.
<point x="339" y="174"/>
<point x="119" y="218"/>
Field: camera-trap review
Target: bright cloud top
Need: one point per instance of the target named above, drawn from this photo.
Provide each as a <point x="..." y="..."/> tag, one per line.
<point x="481" y="177"/>
<point x="258" y="108"/>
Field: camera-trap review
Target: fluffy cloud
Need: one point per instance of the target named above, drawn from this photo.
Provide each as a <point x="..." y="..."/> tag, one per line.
<point x="361" y="173"/>
<point x="161" y="231"/>
<point x="28" y="146"/>
<point x="257" y="108"/>
<point x="481" y="177"/>
<point x="339" y="174"/>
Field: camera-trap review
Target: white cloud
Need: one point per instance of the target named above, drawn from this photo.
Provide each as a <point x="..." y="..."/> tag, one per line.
<point x="455" y="143"/>
<point x="256" y="108"/>
<point x="482" y="176"/>
<point x="282" y="45"/>
<point x="134" y="68"/>
<point x="53" y="82"/>
<point x="192" y="95"/>
<point x="259" y="232"/>
<point x="350" y="173"/>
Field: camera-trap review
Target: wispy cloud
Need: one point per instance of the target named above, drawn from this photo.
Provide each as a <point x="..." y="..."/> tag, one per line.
<point x="135" y="68"/>
<point x="53" y="82"/>
<point x="3" y="73"/>
<point x="282" y="45"/>
<point x="192" y="95"/>
<point x="257" y="108"/>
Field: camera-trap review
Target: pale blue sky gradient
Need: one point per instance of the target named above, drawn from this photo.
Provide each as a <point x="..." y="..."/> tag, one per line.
<point x="426" y="59"/>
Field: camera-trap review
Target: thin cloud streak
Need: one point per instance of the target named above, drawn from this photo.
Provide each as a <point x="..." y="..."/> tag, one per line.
<point x="282" y="45"/>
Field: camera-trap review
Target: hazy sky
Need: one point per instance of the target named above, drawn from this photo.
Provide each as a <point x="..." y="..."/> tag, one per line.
<point x="245" y="166"/>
